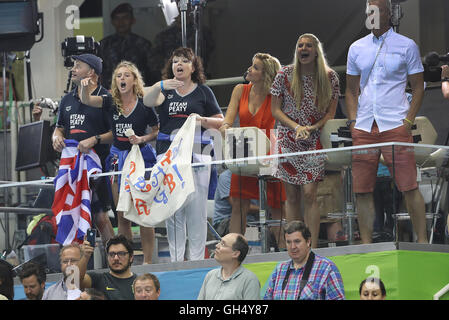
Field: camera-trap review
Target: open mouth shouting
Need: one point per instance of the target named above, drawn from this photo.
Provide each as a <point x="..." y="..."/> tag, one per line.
<point x="305" y="54"/>
<point x="179" y="69"/>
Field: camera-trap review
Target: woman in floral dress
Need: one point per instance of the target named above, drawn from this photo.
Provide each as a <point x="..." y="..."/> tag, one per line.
<point x="304" y="97"/>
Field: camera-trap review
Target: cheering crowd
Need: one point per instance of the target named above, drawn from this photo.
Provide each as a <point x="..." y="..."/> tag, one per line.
<point x="300" y="98"/>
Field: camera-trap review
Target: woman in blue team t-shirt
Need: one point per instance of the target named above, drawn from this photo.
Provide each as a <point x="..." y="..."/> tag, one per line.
<point x="127" y="111"/>
<point x="180" y="94"/>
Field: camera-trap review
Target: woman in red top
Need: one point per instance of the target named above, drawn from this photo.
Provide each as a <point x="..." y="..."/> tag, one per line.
<point x="253" y="103"/>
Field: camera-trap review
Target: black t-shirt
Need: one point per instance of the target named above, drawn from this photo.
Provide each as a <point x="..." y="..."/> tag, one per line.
<point x="175" y="109"/>
<point x="139" y="119"/>
<point x="81" y="121"/>
<point x="113" y="288"/>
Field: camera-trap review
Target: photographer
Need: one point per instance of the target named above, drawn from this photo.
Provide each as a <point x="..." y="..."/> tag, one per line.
<point x="41" y="104"/>
<point x="445" y="81"/>
<point x="37" y="112"/>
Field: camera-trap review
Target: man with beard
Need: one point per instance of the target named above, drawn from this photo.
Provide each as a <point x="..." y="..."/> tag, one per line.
<point x="33" y="279"/>
<point x="70" y="255"/>
<point x="117" y="284"/>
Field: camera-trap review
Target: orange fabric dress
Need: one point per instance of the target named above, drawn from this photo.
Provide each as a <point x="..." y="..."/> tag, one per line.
<point x="248" y="187"/>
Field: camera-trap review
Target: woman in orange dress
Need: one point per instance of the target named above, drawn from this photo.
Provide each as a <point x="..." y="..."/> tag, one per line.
<point x="253" y="103"/>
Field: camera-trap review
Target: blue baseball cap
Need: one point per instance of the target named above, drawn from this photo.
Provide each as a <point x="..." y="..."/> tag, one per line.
<point x="92" y="60"/>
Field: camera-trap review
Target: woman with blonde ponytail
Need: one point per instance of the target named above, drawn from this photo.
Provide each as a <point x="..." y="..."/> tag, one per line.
<point x="304" y="97"/>
<point x="252" y="102"/>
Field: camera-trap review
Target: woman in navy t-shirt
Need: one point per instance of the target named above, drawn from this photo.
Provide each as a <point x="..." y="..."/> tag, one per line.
<point x="179" y="95"/>
<point x="126" y="111"/>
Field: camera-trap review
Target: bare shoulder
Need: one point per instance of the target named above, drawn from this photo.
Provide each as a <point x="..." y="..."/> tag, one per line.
<point x="239" y="88"/>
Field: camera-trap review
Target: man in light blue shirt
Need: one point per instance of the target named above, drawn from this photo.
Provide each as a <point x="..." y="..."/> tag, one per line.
<point x="378" y="69"/>
<point x="231" y="281"/>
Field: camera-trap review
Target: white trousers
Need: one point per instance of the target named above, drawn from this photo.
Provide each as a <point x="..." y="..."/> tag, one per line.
<point x="190" y="221"/>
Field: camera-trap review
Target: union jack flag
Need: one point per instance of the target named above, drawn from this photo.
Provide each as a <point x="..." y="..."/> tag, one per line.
<point x="71" y="205"/>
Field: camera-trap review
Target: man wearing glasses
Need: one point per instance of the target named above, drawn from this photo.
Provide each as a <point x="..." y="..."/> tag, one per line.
<point x="69" y="256"/>
<point x="117" y="283"/>
<point x="231" y="281"/>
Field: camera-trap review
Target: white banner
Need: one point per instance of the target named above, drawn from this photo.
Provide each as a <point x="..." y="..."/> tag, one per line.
<point x="149" y="202"/>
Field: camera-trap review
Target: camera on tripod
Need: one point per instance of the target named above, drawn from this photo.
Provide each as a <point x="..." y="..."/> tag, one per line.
<point x="432" y="71"/>
<point x="76" y="46"/>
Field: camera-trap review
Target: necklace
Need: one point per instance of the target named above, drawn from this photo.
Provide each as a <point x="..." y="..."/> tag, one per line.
<point x="128" y="107"/>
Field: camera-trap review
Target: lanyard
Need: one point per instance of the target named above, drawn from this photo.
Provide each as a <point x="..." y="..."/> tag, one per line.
<point x="305" y="275"/>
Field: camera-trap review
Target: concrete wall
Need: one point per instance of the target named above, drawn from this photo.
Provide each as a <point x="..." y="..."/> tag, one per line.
<point x="434" y="26"/>
<point x="47" y="66"/>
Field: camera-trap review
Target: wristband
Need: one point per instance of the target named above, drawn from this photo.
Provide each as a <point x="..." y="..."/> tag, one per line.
<point x="296" y="128"/>
<point x="445" y="79"/>
<point x="411" y="123"/>
<point x="162" y="85"/>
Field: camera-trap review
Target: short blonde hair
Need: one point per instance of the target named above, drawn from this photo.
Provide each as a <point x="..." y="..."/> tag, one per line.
<point x="138" y="84"/>
<point x="271" y="66"/>
<point x="75" y="245"/>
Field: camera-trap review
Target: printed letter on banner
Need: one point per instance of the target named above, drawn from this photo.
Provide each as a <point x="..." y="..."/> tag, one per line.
<point x="149" y="202"/>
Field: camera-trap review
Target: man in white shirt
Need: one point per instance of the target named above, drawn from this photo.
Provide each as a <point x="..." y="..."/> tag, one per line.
<point x="379" y="66"/>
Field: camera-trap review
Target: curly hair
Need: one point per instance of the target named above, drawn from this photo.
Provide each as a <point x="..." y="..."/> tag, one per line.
<point x="197" y="64"/>
<point x="120" y="239"/>
<point x="137" y="88"/>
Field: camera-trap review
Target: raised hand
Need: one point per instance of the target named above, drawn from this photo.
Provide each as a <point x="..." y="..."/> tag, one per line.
<point x="171" y="84"/>
<point x="85" y="82"/>
<point x="37" y="112"/>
